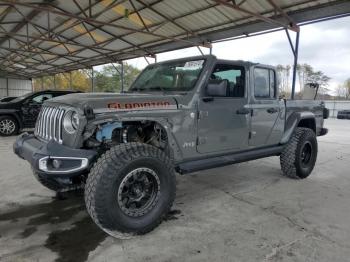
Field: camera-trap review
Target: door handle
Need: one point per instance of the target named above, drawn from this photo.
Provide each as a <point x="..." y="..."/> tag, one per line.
<point x="243" y="111"/>
<point x="272" y="110"/>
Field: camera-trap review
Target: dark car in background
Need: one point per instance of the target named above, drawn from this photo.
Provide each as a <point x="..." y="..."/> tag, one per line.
<point x="343" y="114"/>
<point x="22" y="112"/>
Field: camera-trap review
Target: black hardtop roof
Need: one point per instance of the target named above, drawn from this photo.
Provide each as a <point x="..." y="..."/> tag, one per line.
<point x="214" y="58"/>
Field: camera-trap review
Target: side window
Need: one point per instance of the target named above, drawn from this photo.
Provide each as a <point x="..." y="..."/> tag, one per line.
<point x="41" y="98"/>
<point x="234" y="76"/>
<point x="264" y="83"/>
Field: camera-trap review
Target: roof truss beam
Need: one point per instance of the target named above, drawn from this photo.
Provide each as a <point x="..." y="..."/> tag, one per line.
<point x="256" y="15"/>
<point x="53" y="41"/>
<point x="97" y="22"/>
<point x="291" y="21"/>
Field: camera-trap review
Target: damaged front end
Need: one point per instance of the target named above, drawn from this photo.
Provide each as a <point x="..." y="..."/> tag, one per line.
<point x="102" y="136"/>
<point x="69" y="139"/>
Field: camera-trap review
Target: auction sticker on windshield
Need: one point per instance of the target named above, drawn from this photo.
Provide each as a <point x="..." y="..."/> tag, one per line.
<point x="194" y="64"/>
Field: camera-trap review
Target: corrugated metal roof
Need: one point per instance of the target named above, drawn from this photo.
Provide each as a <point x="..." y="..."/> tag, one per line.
<point x="51" y="36"/>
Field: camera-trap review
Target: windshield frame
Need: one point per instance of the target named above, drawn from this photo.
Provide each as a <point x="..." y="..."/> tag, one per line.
<point x="174" y="61"/>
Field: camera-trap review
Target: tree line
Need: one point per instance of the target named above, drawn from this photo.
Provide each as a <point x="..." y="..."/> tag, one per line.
<point x="307" y="74"/>
<point x="343" y="90"/>
<point x="108" y="79"/>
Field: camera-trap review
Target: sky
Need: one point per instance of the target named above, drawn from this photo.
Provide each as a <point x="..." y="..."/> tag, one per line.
<point x="325" y="46"/>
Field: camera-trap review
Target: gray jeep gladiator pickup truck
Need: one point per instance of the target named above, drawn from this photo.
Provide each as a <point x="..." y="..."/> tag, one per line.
<point x="178" y="116"/>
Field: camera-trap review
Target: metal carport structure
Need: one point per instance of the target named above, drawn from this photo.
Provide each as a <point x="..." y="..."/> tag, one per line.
<point x="46" y="37"/>
<point x="14" y="86"/>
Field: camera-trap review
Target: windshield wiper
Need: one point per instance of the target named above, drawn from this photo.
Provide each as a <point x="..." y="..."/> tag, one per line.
<point x="148" y="88"/>
<point x="156" y="88"/>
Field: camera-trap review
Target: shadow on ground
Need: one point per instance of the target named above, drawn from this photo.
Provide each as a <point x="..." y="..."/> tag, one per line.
<point x="72" y="244"/>
<point x="72" y="235"/>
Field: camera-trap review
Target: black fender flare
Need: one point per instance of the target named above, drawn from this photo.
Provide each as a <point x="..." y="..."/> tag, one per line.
<point x="13" y="113"/>
<point x="293" y="121"/>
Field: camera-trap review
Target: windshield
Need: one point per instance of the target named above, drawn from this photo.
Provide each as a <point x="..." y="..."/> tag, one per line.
<point x="172" y="76"/>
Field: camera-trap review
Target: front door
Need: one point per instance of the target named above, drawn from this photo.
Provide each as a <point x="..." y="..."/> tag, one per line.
<point x="223" y="123"/>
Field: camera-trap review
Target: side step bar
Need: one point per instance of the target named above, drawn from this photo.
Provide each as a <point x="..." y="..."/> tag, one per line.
<point x="227" y="159"/>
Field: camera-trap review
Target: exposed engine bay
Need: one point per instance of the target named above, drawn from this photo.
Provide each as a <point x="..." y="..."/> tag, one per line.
<point x="114" y="133"/>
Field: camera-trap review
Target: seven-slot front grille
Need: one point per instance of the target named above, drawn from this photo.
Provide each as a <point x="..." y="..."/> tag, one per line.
<point x="49" y="123"/>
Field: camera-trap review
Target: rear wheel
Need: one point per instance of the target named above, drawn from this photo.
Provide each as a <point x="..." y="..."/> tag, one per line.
<point x="130" y="189"/>
<point x="8" y="126"/>
<point x="299" y="156"/>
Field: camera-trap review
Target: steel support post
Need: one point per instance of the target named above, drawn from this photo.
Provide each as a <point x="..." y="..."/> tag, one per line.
<point x="200" y="50"/>
<point x="122" y="76"/>
<point x="7" y="86"/>
<point x="92" y="79"/>
<point x="42" y="83"/>
<point x="146" y="60"/>
<point x="70" y="80"/>
<point x="296" y="53"/>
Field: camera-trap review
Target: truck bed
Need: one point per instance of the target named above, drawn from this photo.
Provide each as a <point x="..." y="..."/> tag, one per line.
<point x="317" y="107"/>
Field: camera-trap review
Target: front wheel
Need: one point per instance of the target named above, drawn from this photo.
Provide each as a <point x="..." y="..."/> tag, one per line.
<point x="130" y="189"/>
<point x="299" y="156"/>
<point x="8" y="126"/>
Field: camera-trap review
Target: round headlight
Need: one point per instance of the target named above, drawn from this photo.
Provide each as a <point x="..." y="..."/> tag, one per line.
<point x="71" y="122"/>
<point x="75" y="120"/>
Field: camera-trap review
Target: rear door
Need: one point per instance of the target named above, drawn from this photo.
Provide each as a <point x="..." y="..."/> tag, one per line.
<point x="223" y="123"/>
<point x="266" y="121"/>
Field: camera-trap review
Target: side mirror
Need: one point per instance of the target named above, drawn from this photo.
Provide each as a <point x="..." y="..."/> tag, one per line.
<point x="217" y="88"/>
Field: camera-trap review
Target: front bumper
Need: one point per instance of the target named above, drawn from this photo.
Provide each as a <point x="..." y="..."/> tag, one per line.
<point x="53" y="159"/>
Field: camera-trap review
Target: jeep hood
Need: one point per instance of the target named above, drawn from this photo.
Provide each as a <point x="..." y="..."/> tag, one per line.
<point x="106" y="102"/>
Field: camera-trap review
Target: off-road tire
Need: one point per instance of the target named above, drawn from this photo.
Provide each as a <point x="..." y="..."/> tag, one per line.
<point x="106" y="176"/>
<point x="291" y="159"/>
<point x="11" y="120"/>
